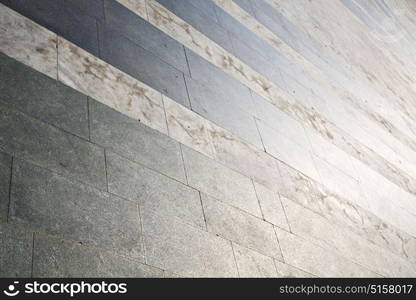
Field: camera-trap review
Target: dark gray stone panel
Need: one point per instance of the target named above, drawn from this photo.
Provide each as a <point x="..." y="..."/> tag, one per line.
<point x="58" y="258"/>
<point x="42" y="97"/>
<point x="139" y="143"/>
<point x="15" y="251"/>
<point x="51" y="203"/>
<point x="51" y="148"/>
<point x="201" y="19"/>
<point x="154" y="192"/>
<point x="143" y="65"/>
<point x="129" y="24"/>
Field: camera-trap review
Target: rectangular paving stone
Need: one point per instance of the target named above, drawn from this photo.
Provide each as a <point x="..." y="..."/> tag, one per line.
<point x="205" y="101"/>
<point x="63" y="18"/>
<point x="316" y="260"/>
<point x="43" y="98"/>
<point x="240" y="227"/>
<point x="211" y="80"/>
<point x="48" y="202"/>
<point x="5" y="176"/>
<point x="54" y="257"/>
<point x="220" y="182"/>
<point x="142" y="65"/>
<point x="40" y="143"/>
<point x="133" y="140"/>
<point x="271" y="206"/>
<point x="185" y="250"/>
<point x="201" y="18"/>
<point x="253" y="264"/>
<point x="153" y="191"/>
<point x="15" y="251"/>
<point x="130" y="25"/>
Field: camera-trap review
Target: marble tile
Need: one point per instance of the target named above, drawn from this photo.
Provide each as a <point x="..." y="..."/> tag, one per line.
<point x="15" y="251"/>
<point x="216" y="180"/>
<point x="28" y="42"/>
<point x="153" y="191"/>
<point x="135" y="141"/>
<point x="252" y="264"/>
<point x="59" y="258"/>
<point x="271" y="206"/>
<point x="287" y="271"/>
<point x="318" y="230"/>
<point x="188" y="127"/>
<point x="288" y="151"/>
<point x="185" y="250"/>
<point x="82" y="214"/>
<point x="296" y="186"/>
<point x="106" y="84"/>
<point x="43" y="98"/>
<point x="5" y="177"/>
<point x="51" y="148"/>
<point x="316" y="260"/>
<point x="240" y="227"/>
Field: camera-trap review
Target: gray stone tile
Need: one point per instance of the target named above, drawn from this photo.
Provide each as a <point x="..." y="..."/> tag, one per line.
<point x="59" y="258"/>
<point x="48" y="202"/>
<point x="15" y="251"/>
<point x="185" y="250"/>
<point x="130" y="139"/>
<point x="43" y="98"/>
<point x="5" y="173"/>
<point x="205" y="101"/>
<point x="30" y="139"/>
<point x="215" y="79"/>
<point x="246" y="5"/>
<point x="287" y="271"/>
<point x="141" y="32"/>
<point x="253" y="264"/>
<point x="240" y="227"/>
<point x="271" y="206"/>
<point x="201" y="19"/>
<point x="142" y="65"/>
<point x="68" y="19"/>
<point x="154" y="192"/>
<point x="220" y="182"/>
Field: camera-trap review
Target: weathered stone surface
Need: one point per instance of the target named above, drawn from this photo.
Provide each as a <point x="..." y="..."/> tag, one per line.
<point x="5" y="177"/>
<point x="220" y="182"/>
<point x="43" y="98"/>
<point x="48" y="202"/>
<point x="253" y="264"/>
<point x="15" y="251"/>
<point x="135" y="141"/>
<point x="44" y="145"/>
<point x="153" y="191"/>
<point x="240" y="227"/>
<point x="59" y="258"/>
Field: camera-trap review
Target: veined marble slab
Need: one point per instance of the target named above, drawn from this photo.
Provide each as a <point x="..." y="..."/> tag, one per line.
<point x="92" y="76"/>
<point x="28" y="42"/>
<point x="319" y="230"/>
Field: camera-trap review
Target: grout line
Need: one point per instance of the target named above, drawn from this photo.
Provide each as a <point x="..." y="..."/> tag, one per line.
<point x="105" y="165"/>
<point x="278" y="243"/>
<point x="284" y="211"/>
<point x="142" y="232"/>
<point x="89" y="118"/>
<point x="258" y="198"/>
<point x="258" y="131"/>
<point x="183" y="163"/>
<point x="203" y="211"/>
<point x="10" y="189"/>
<point x="235" y="260"/>
<point x="57" y="58"/>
